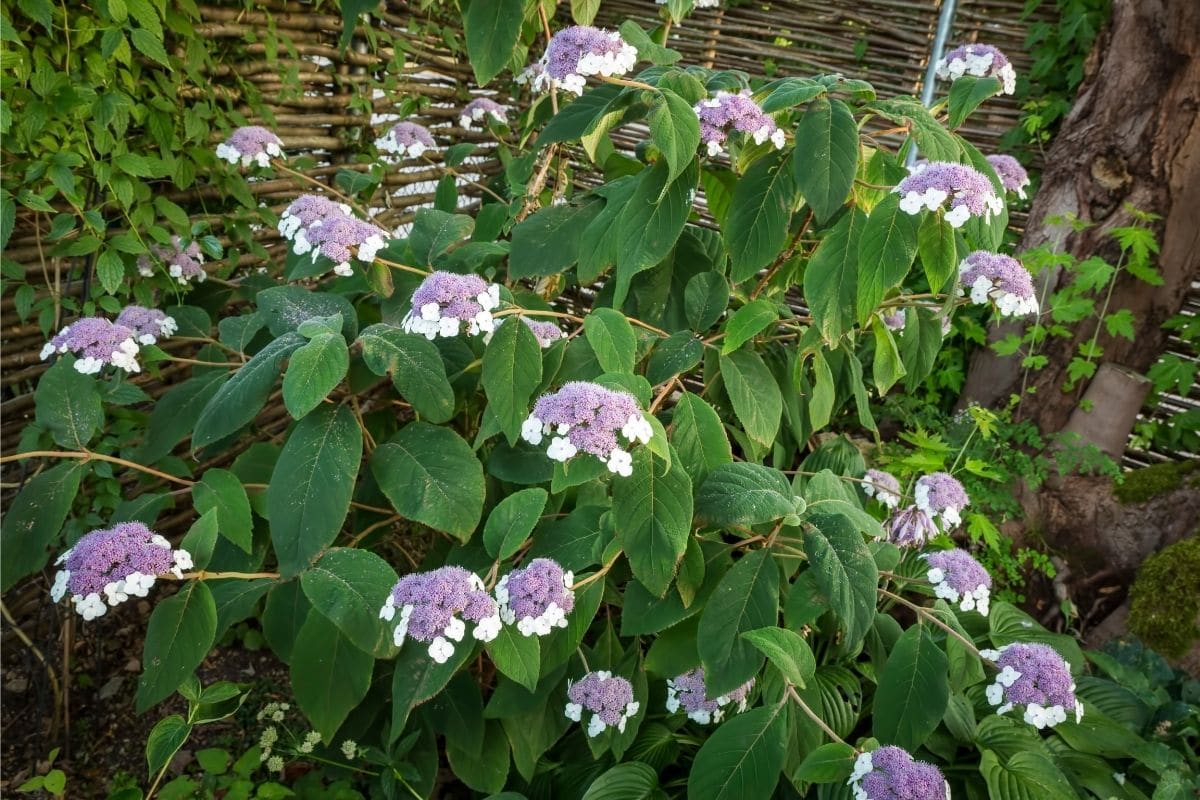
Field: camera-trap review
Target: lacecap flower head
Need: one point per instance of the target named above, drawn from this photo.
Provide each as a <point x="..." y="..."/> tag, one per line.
<point x="304" y="212"/>
<point x="609" y="699"/>
<point x="251" y="145"/>
<point x="956" y="576"/>
<point x="406" y="139"/>
<point x="586" y="417"/>
<point x="890" y="773"/>
<point x="96" y="342"/>
<point x="999" y="279"/>
<point x="911" y="527"/>
<point x="576" y="53"/>
<point x="446" y="301"/>
<point x="479" y="109"/>
<point x="340" y="238"/>
<point x="536" y="597"/>
<point x="939" y="494"/>
<point x="1012" y="175"/>
<point x="546" y="333"/>
<point x="981" y="61"/>
<point x="106" y="567"/>
<point x="435" y="607"/>
<point x="687" y="692"/>
<point x="1035" y="676"/>
<point x="726" y="112"/>
<point x="883" y="486"/>
<point x="970" y="192"/>
<point x="148" y="323"/>
<point x="184" y="264"/>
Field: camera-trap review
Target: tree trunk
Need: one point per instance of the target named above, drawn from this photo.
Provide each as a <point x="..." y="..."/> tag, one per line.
<point x="1133" y="136"/>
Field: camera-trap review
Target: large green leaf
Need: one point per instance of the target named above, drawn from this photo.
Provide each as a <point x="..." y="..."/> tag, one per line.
<point x="548" y="241"/>
<point x="34" y="519"/>
<point x="512" y="370"/>
<point x="831" y="277"/>
<point x="349" y="586"/>
<point x="742" y="493"/>
<point x="1026" y="776"/>
<point x="67" y="403"/>
<point x="175" y="414"/>
<point x="743" y="758"/>
<point x="492" y="29"/>
<point x="417" y="678"/>
<point x="939" y="256"/>
<point x="612" y="339"/>
<point x="330" y="676"/>
<point x="311" y="486"/>
<point x="313" y="371"/>
<point x="286" y="308"/>
<point x="435" y="232"/>
<point x="484" y="771"/>
<point x="844" y="571"/>
<point x="913" y="690"/>
<point x="178" y="637"/>
<point x="600" y="244"/>
<point x="826" y="156"/>
<point x="747" y="322"/>
<point x="967" y="93"/>
<point x="747" y="598"/>
<point x="788" y="651"/>
<point x="885" y="253"/>
<point x="221" y="490"/>
<point x="517" y="656"/>
<point x="653" y="514"/>
<point x="239" y="399"/>
<point x="675" y="129"/>
<point x="675" y="355"/>
<point x="432" y="476"/>
<point x="631" y="781"/>
<point x="757" y="227"/>
<point x="511" y="522"/>
<point x="575" y="118"/>
<point x="757" y="402"/>
<point x="651" y="222"/>
<point x="416" y="368"/>
<point x="698" y="437"/>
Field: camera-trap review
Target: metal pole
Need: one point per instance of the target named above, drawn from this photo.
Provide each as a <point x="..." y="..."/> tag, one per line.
<point x="945" y="24"/>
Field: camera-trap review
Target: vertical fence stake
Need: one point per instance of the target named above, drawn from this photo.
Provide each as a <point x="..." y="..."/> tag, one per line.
<point x="945" y="23"/>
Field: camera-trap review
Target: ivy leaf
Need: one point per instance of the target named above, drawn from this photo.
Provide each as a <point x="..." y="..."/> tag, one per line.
<point x="653" y="514"/>
<point x="844" y="571"/>
<point x="747" y="598"/>
<point x="330" y="676"/>
<point x="512" y="370"/>
<point x="178" y="637"/>
<point x="612" y="339"/>
<point x="913" y="690"/>
<point x="826" y="156"/>
<point x="1120" y="323"/>
<point x="757" y="402"/>
<point x="743" y="758"/>
<point x="757" y="227"/>
<point x="675" y="129"/>
<point x="310" y="489"/>
<point x="432" y="476"/>
<point x="415" y="365"/>
<point x="885" y="252"/>
<point x="67" y="403"/>
<point x="492" y="29"/>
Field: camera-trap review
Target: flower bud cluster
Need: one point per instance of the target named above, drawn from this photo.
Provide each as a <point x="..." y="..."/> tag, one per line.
<point x="184" y="264"/>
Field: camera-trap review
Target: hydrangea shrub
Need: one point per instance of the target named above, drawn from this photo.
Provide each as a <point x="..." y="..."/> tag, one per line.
<point x="600" y="547"/>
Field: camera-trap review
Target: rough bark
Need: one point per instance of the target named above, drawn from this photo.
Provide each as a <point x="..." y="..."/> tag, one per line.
<point x="1133" y="136"/>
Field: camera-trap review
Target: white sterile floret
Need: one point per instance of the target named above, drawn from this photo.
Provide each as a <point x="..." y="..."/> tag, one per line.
<point x="597" y="726"/>
<point x="638" y="429"/>
<point x="456" y="629"/>
<point x="561" y="449"/>
<point x="487" y="629"/>
<point x="90" y="606"/>
<point x="573" y="712"/>
<point x="531" y="430"/>
<point x="440" y="650"/>
<point x="862" y="768"/>
<point x="620" y="462"/>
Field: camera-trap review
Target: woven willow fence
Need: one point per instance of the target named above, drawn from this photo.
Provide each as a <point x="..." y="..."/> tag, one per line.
<point x="327" y="104"/>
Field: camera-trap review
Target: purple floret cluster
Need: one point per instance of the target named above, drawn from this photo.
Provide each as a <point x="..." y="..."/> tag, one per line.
<point x="116" y="562"/>
<point x="252" y="144"/>
<point x="999" y="279"/>
<point x="537" y="597"/>
<point x="941" y="495"/>
<point x="930" y="184"/>
<point x="308" y="210"/>
<point x="727" y="112"/>
<point x="1035" y="676"/>
<point x="586" y="417"/>
<point x="407" y="139"/>
<point x="883" y="486"/>
<point x="479" y="110"/>
<point x="609" y="699"/>
<point x="433" y="606"/>
<point x="687" y="692"/>
<point x="890" y="773"/>
<point x="341" y="239"/>
<point x="96" y="342"/>
<point x="184" y="264"/>
<point x="1012" y="175"/>
<point x="447" y="301"/>
<point x="956" y="576"/>
<point x="576" y="53"/>
<point x="147" y="323"/>
<point x="981" y="61"/>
